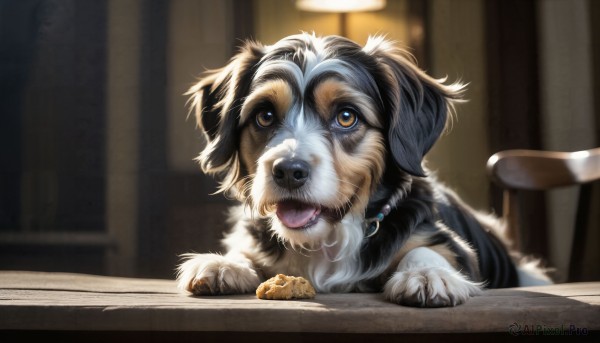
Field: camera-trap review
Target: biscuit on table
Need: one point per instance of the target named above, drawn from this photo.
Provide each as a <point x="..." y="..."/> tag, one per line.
<point x="283" y="287"/>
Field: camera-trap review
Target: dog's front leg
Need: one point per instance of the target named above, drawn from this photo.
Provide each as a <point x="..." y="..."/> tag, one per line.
<point x="213" y="274"/>
<point x="424" y="278"/>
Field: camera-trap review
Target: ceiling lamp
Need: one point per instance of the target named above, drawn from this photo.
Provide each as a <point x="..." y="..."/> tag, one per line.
<point x="340" y="6"/>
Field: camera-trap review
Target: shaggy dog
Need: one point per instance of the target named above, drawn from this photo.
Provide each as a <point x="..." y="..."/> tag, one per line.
<point x="323" y="141"/>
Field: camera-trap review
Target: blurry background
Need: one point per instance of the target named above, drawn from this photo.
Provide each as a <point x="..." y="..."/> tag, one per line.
<point x="96" y="169"/>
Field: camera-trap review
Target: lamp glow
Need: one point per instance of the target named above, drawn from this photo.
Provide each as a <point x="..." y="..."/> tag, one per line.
<point x="340" y="6"/>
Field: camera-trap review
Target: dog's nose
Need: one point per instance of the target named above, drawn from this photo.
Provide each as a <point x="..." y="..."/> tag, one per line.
<point x="290" y="173"/>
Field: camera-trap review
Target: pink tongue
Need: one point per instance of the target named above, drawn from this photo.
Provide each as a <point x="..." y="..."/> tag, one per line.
<point x="294" y="214"/>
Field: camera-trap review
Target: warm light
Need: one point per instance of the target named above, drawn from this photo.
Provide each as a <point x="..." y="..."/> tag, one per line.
<point x="580" y="154"/>
<point x="340" y="5"/>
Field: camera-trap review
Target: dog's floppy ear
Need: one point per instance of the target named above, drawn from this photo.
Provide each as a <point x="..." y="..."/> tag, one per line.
<point x="418" y="105"/>
<point x="216" y="101"/>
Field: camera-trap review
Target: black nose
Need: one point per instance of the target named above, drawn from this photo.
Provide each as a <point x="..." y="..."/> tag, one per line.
<point x="290" y="174"/>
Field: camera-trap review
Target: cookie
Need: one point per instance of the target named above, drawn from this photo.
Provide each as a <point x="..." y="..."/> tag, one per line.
<point x="283" y="287"/>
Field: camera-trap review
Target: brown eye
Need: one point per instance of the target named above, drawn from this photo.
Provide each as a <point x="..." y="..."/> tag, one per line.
<point x="346" y="119"/>
<point x="265" y="118"/>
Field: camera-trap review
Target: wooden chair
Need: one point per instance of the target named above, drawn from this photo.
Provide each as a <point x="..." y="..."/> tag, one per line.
<point x="515" y="170"/>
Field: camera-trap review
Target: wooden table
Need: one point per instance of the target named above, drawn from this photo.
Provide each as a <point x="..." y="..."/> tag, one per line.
<point x="76" y="307"/>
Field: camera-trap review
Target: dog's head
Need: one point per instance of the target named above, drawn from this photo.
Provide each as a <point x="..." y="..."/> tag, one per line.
<point x="304" y="130"/>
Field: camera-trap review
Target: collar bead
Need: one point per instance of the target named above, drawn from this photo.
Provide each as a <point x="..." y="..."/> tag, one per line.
<point x="371" y="225"/>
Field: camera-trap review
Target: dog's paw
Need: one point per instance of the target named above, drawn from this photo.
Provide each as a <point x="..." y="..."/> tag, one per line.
<point x="212" y="274"/>
<point x="429" y="287"/>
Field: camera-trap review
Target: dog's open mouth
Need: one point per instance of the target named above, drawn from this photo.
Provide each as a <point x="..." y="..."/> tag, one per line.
<point x="296" y="214"/>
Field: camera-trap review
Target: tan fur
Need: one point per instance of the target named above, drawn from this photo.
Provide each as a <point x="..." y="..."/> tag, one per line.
<point x="277" y="93"/>
<point x="331" y="91"/>
<point x="359" y="170"/>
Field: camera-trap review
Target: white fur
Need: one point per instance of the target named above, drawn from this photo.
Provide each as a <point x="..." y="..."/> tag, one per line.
<point x="315" y="65"/>
<point x="425" y="278"/>
<point x="330" y="266"/>
<point x="530" y="274"/>
<point x="216" y="274"/>
<point x="334" y="266"/>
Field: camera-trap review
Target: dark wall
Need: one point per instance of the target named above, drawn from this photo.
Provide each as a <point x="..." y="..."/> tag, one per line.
<point x="53" y="165"/>
<point x="52" y="104"/>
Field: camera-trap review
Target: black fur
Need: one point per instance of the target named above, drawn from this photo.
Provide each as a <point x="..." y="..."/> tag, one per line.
<point x="220" y="119"/>
<point x="495" y="265"/>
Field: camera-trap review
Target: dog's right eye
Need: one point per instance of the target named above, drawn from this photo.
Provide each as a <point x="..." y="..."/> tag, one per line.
<point x="346" y="119"/>
<point x="265" y="118"/>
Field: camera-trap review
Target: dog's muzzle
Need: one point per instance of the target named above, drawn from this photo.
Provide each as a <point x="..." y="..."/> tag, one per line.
<point x="290" y="173"/>
<point x="297" y="211"/>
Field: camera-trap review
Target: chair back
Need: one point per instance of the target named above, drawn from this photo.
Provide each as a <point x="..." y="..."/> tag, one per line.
<point x="516" y="170"/>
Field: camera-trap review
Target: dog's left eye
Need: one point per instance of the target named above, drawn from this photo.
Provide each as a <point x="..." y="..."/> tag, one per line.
<point x="265" y="118"/>
<point x="346" y="119"/>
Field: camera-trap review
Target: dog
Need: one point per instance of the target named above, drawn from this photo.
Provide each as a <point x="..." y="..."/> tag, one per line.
<point x="323" y="142"/>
